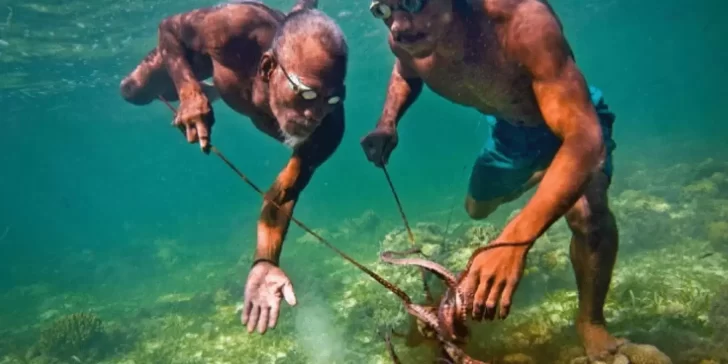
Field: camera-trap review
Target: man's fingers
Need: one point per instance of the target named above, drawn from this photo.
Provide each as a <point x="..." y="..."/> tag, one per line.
<point x="253" y="318"/>
<point x="366" y="144"/>
<point x="374" y="151"/>
<point x="479" y="300"/>
<point x="191" y="134"/>
<point x="263" y="320"/>
<point x="247" y="307"/>
<point x="273" y="317"/>
<point x="387" y="148"/>
<point x="373" y="148"/>
<point x="493" y="298"/>
<point x="288" y="294"/>
<point x="203" y="133"/>
<point x="506" y="300"/>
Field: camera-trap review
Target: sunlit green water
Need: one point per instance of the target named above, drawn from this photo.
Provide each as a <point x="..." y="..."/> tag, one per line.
<point x="88" y="179"/>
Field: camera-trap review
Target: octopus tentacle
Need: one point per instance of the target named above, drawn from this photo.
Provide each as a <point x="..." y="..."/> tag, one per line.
<point x="452" y="350"/>
<point x="423" y="314"/>
<point x="416" y="250"/>
<point x="437" y="269"/>
<point x="452" y="309"/>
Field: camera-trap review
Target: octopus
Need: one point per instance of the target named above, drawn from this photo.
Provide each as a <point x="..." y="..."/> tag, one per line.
<point x="444" y="322"/>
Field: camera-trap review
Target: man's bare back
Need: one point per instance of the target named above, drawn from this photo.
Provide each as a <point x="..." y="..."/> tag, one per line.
<point x="286" y="73"/>
<point x="230" y="55"/>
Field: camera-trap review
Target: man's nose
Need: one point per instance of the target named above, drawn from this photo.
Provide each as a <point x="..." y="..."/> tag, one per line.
<point x="401" y="23"/>
<point x="314" y="116"/>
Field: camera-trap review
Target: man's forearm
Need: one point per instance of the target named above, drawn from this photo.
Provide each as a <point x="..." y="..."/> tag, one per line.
<point x="274" y="222"/>
<point x="272" y="228"/>
<point x="562" y="185"/>
<point x="290" y="182"/>
<point x="401" y="94"/>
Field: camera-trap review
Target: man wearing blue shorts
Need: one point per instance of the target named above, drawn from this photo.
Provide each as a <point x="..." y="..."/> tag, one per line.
<point x="514" y="159"/>
<point x="510" y="59"/>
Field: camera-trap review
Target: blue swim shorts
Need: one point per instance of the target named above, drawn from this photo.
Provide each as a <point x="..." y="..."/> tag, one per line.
<point x="512" y="154"/>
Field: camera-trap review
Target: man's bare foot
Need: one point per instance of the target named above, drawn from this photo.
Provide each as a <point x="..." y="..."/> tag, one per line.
<point x="598" y="343"/>
<point x="603" y="348"/>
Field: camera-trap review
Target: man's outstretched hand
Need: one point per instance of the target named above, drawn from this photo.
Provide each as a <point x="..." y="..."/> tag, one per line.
<point x="263" y="291"/>
<point x="492" y="279"/>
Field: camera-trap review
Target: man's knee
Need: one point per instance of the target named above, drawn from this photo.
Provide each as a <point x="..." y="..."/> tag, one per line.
<point x="590" y="217"/>
<point x="133" y="92"/>
<point x="478" y="210"/>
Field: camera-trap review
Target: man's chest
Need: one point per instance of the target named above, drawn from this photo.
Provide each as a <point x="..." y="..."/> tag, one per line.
<point x="486" y="81"/>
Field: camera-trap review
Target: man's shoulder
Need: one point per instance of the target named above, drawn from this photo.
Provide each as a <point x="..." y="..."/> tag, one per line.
<point x="533" y="35"/>
<point x="250" y="4"/>
<point x="246" y="10"/>
<point x="510" y="10"/>
<point x="521" y="21"/>
<point x="221" y="23"/>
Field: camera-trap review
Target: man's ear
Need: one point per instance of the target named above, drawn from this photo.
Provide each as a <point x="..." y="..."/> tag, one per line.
<point x="267" y="65"/>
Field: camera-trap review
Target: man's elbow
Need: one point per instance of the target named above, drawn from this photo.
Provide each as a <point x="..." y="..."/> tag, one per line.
<point x="169" y="31"/>
<point x="589" y="146"/>
<point x="133" y="92"/>
<point x="594" y="150"/>
<point x="165" y="24"/>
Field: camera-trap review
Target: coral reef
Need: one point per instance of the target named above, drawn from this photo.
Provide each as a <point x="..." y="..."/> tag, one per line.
<point x="75" y="335"/>
<point x="668" y="292"/>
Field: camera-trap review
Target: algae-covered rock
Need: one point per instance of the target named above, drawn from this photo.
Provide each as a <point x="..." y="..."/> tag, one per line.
<point x="708" y="168"/>
<point x="548" y="267"/>
<point x="710" y="179"/>
<point x="364" y="227"/>
<point x="518" y="358"/>
<point x="645" y="220"/>
<point x="369" y="222"/>
<point x="569" y="354"/>
<point x="704" y="188"/>
<point x="643" y="354"/>
<point x="630" y="354"/>
<point x="718" y="235"/>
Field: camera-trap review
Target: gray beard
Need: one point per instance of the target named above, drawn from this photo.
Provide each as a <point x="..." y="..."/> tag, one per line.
<point x="292" y="141"/>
